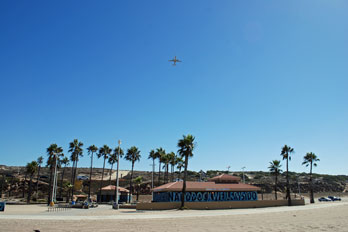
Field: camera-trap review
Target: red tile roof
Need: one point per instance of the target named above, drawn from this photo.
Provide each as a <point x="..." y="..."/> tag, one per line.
<point x="113" y="187"/>
<point x="224" y="178"/>
<point x="192" y="186"/>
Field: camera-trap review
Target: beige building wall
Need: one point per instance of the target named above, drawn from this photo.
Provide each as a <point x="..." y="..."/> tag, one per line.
<point x="217" y="205"/>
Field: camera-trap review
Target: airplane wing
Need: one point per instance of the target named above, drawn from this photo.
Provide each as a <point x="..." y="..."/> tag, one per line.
<point x="178" y="61"/>
<point x="171" y="60"/>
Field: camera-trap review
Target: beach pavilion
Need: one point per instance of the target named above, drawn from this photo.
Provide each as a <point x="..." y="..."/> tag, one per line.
<point x="218" y="189"/>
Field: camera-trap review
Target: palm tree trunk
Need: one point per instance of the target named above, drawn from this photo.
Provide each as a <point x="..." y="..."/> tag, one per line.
<point x="37" y="179"/>
<point x="72" y="177"/>
<point x="29" y="191"/>
<point x="168" y="174"/>
<point x="50" y="186"/>
<point x="184" y="183"/>
<point x="90" y="177"/>
<point x="159" y="174"/>
<point x="172" y="173"/>
<point x="287" y="182"/>
<point x="101" y="183"/>
<point x="112" y="165"/>
<point x="61" y="183"/>
<point x="153" y="171"/>
<point x="73" y="181"/>
<point x="311" y="185"/>
<point x="275" y="187"/>
<point x="131" y="179"/>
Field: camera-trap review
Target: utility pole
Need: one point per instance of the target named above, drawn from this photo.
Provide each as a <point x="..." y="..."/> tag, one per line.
<point x="228" y="169"/>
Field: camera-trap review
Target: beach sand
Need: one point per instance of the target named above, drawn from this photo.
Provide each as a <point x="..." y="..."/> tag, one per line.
<point x="331" y="216"/>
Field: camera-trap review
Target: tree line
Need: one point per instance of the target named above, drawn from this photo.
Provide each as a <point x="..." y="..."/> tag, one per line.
<point x="310" y="159"/>
<point x="56" y="157"/>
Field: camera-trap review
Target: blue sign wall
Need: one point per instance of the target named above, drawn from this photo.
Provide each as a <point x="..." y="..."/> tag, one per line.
<point x="204" y="196"/>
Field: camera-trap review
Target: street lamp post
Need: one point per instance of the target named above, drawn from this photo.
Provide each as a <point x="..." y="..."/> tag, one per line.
<point x="54" y="181"/>
<point x="243" y="175"/>
<point x="116" y="206"/>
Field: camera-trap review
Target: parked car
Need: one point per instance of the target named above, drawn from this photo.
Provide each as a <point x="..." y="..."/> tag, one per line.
<point x="324" y="199"/>
<point x="82" y="178"/>
<point x="333" y="198"/>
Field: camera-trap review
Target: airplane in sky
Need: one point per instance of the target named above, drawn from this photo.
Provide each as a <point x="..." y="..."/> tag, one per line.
<point x="175" y="60"/>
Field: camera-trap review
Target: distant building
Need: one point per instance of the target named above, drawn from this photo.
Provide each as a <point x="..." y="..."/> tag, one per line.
<point x="220" y="188"/>
<point x="108" y="194"/>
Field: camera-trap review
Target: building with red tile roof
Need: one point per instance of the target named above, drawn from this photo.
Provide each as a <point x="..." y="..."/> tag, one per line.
<point x="220" y="188"/>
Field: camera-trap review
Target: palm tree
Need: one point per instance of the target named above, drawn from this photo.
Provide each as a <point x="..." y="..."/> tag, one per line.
<point x="165" y="161"/>
<point x="274" y="168"/>
<point x="75" y="147"/>
<point x="31" y="168"/>
<point x="180" y="165"/>
<point x="159" y="153"/>
<point x="133" y="154"/>
<point x="286" y="152"/>
<point x="112" y="160"/>
<point x="152" y="156"/>
<point x="104" y="152"/>
<point x="91" y="149"/>
<point x="186" y="146"/>
<point x="65" y="162"/>
<point x="39" y="162"/>
<point x="310" y="159"/>
<point x="53" y="152"/>
<point x="138" y="181"/>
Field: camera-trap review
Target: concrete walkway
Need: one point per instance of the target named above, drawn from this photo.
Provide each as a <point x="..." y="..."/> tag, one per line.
<point x="104" y="212"/>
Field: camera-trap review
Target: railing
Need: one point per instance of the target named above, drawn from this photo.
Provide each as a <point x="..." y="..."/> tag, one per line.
<point x="58" y="208"/>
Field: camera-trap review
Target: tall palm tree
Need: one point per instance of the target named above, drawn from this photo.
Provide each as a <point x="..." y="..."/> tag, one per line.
<point x="53" y="152"/>
<point x="31" y="168"/>
<point x="104" y="152"/>
<point x="310" y="159"/>
<point x="172" y="162"/>
<point x="75" y="148"/>
<point x="180" y="165"/>
<point x="91" y="149"/>
<point x="286" y="152"/>
<point x="112" y="160"/>
<point x="160" y="152"/>
<point x="39" y="162"/>
<point x="133" y="155"/>
<point x="274" y="168"/>
<point x="165" y="161"/>
<point x="65" y="162"/>
<point x="152" y="156"/>
<point x="186" y="146"/>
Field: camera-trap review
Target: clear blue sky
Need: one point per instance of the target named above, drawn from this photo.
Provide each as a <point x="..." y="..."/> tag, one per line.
<point x="255" y="75"/>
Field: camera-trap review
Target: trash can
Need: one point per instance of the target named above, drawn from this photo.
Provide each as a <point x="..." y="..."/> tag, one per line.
<point x="2" y="206"/>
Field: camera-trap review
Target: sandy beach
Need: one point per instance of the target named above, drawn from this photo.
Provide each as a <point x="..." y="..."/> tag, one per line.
<point x="331" y="216"/>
